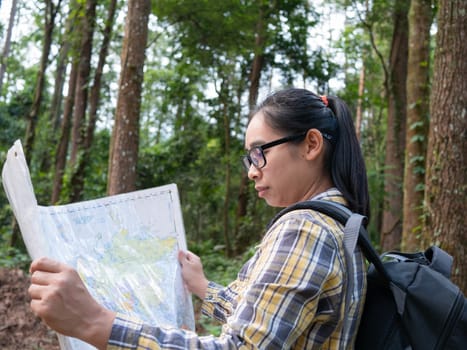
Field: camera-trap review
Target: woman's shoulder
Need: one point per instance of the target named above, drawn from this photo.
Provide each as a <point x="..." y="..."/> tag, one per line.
<point x="302" y="218"/>
<point x="307" y="224"/>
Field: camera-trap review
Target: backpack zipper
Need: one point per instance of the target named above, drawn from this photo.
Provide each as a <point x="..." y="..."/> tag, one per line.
<point x="452" y="318"/>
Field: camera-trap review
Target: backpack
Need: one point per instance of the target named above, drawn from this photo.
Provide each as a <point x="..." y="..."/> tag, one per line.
<point x="411" y="302"/>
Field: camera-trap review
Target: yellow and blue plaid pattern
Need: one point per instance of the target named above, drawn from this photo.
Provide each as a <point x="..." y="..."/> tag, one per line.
<point x="289" y="295"/>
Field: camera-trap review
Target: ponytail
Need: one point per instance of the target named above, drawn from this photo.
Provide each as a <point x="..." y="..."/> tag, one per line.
<point x="347" y="164"/>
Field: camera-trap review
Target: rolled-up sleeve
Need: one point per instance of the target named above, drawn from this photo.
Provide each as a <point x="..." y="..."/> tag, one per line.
<point x="128" y="333"/>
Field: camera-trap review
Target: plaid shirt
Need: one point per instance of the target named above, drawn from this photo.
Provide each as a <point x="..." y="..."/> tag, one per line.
<point x="289" y="295"/>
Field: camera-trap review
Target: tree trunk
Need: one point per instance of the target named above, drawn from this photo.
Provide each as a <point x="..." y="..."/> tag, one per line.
<point x="418" y="96"/>
<point x="6" y="46"/>
<point x="82" y="82"/>
<point x="62" y="63"/>
<point x="61" y="151"/>
<point x="391" y="231"/>
<point x="258" y="59"/>
<point x="224" y="94"/>
<point x="255" y="76"/>
<point x="446" y="188"/>
<point x="49" y="24"/>
<point x="62" y="146"/>
<point x="57" y="98"/>
<point x="125" y="137"/>
<point x="55" y="109"/>
<point x="78" y="175"/>
<point x="359" y="112"/>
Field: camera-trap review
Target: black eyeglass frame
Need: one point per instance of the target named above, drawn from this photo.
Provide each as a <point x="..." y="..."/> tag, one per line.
<point x="247" y="161"/>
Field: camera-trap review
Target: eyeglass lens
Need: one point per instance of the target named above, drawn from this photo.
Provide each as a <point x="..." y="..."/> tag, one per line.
<point x="256" y="157"/>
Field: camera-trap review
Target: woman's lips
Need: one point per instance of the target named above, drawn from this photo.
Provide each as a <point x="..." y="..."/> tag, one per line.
<point x="261" y="190"/>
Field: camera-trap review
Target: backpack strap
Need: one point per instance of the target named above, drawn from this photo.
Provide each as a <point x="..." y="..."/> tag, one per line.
<point x="351" y="230"/>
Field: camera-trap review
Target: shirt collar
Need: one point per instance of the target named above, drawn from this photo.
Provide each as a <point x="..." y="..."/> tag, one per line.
<point x="332" y="194"/>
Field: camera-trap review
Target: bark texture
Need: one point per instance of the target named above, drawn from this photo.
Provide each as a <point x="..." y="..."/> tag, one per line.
<point x="125" y="136"/>
<point x="391" y="231"/>
<point x="446" y="179"/>
<point x="418" y="97"/>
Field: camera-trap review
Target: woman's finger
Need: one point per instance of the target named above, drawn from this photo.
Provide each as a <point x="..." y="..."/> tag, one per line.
<point x="35" y="291"/>
<point x="41" y="278"/>
<point x="46" y="264"/>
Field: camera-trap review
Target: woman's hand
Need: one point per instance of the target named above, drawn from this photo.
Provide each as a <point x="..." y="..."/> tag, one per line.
<point x="193" y="274"/>
<point x="61" y="300"/>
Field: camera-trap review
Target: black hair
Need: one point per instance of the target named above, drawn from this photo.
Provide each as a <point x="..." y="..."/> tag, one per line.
<point x="293" y="111"/>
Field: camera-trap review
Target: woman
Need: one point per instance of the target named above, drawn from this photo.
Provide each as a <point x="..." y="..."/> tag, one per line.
<point x="291" y="293"/>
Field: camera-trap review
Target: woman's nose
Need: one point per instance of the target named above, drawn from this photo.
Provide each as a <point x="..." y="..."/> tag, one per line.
<point x="253" y="172"/>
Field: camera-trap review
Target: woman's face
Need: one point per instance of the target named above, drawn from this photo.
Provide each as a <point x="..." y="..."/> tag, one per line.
<point x="286" y="177"/>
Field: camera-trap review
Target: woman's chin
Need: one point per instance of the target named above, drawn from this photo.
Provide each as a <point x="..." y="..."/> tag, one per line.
<point x="273" y="203"/>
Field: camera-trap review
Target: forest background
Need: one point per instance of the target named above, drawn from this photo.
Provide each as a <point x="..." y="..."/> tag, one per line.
<point x="113" y="96"/>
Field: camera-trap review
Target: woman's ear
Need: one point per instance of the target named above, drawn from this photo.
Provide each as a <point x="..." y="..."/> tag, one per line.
<point x="314" y="144"/>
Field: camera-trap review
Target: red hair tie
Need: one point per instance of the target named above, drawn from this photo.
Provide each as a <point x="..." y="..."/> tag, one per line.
<point x="325" y="100"/>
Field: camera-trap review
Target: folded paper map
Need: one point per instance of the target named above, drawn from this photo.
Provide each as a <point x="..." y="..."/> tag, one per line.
<point x="124" y="247"/>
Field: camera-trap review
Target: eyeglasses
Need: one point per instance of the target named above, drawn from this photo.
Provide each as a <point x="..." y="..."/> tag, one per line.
<point x="256" y="156"/>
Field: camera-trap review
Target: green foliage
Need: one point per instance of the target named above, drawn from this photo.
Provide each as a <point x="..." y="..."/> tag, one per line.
<point x="12" y="125"/>
<point x="95" y="180"/>
<point x="193" y="160"/>
<point x="11" y="257"/>
<point x="208" y="29"/>
<point x="11" y="121"/>
<point x="5" y="221"/>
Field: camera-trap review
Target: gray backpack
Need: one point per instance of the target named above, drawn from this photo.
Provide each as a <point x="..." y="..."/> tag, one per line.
<point x="411" y="303"/>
